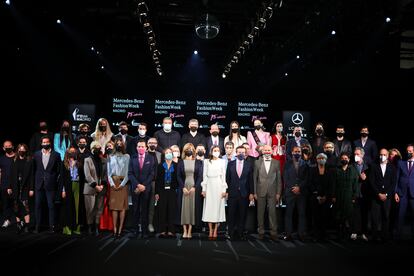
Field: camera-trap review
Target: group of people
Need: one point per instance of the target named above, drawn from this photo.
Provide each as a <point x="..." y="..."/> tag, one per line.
<point x="195" y="180"/>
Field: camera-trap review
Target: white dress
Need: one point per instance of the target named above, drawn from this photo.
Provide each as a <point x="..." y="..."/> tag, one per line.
<point x="214" y="184"/>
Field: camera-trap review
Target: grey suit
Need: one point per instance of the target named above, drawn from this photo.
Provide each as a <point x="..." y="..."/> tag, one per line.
<point x="266" y="187"/>
<point x="94" y="201"/>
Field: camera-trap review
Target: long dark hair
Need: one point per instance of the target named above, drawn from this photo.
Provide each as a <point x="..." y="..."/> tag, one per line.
<point x="210" y="156"/>
<point x="27" y="156"/>
<point x="238" y="130"/>
<point x="70" y="137"/>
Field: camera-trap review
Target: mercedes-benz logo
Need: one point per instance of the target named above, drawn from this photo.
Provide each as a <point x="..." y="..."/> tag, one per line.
<point x="297" y="118"/>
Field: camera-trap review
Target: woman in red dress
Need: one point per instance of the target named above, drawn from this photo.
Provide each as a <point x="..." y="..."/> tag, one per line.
<point x="278" y="143"/>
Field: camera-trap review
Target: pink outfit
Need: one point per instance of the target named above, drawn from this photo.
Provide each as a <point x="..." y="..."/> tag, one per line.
<point x="264" y="138"/>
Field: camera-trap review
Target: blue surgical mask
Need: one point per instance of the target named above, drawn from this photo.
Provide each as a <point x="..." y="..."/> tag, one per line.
<point x="240" y="156"/>
<point x="321" y="161"/>
<point x="297" y="155"/>
<point x="168" y="156"/>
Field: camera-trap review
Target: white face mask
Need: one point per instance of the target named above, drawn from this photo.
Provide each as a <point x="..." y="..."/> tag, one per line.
<point x="176" y="154"/>
<point x="357" y="158"/>
<point x="216" y="154"/>
<point x="280" y="128"/>
<point x="383" y="158"/>
<point x="167" y="127"/>
<point x="142" y="132"/>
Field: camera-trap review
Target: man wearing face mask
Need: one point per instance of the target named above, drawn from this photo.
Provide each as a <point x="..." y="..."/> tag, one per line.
<point x="35" y="144"/>
<point x="6" y="161"/>
<point x="126" y="138"/>
<point x="363" y="199"/>
<point x="83" y="153"/>
<point x="267" y="189"/>
<point x="166" y="136"/>
<point x="141" y="173"/>
<point x="319" y="139"/>
<point x="193" y="136"/>
<point x="296" y="187"/>
<point x="230" y="153"/>
<point x="331" y="161"/>
<point x="239" y="178"/>
<point x="83" y="131"/>
<point x="257" y="139"/>
<point x="383" y="178"/>
<point x="296" y="141"/>
<point x="404" y="194"/>
<point x="341" y="143"/>
<point x="152" y="146"/>
<point x="47" y="165"/>
<point x="215" y="139"/>
<point x="369" y="146"/>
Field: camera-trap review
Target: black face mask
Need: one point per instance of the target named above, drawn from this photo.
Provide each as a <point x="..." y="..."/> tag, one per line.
<point x="234" y="130"/>
<point x="46" y="146"/>
<point x="319" y="131"/>
<point x="344" y="162"/>
<point x="72" y="155"/>
<point x="340" y="134"/>
<point x="257" y="127"/>
<point x="109" y="151"/>
<point x="84" y="133"/>
<point x="96" y="152"/>
<point x="409" y="155"/>
<point x="328" y="152"/>
<point x="152" y="147"/>
<point x="65" y="128"/>
<point x="118" y="148"/>
<point x="43" y="128"/>
<point x="297" y="134"/>
<point x="22" y="153"/>
<point x="305" y="151"/>
<point x="8" y="150"/>
<point x="200" y="153"/>
<point x="102" y="128"/>
<point x="193" y="129"/>
<point x="188" y="153"/>
<point x="363" y="134"/>
<point x="81" y="146"/>
<point x="123" y="131"/>
<point x="215" y="133"/>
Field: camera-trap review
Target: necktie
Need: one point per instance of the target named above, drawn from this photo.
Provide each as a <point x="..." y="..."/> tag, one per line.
<point x="410" y="165"/>
<point x="141" y="161"/>
<point x="239" y="168"/>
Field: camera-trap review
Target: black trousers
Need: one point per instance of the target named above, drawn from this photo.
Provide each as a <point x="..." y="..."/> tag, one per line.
<point x="237" y="207"/>
<point x="381" y="217"/>
<point x="140" y="205"/>
<point x="167" y="210"/>
<point x="319" y="218"/>
<point x="40" y="196"/>
<point x="6" y="205"/>
<point x="199" y="200"/>
<point x="361" y="209"/>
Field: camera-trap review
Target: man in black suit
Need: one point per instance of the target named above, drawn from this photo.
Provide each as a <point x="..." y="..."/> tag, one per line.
<point x="369" y="146"/>
<point x="383" y="179"/>
<point x="214" y="139"/>
<point x="46" y="169"/>
<point x="341" y="143"/>
<point x="126" y="138"/>
<point x="193" y="136"/>
<point x="239" y="178"/>
<point x="141" y="173"/>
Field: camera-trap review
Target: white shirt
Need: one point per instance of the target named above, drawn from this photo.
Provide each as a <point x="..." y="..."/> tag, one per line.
<point x="383" y="168"/>
<point x="363" y="141"/>
<point x="267" y="165"/>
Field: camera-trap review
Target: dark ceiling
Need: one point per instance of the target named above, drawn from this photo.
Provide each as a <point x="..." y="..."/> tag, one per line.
<point x="364" y="47"/>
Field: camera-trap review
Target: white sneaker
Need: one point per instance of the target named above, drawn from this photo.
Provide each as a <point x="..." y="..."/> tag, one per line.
<point x="6" y="223"/>
<point x="364" y="237"/>
<point x="353" y="236"/>
<point x="151" y="228"/>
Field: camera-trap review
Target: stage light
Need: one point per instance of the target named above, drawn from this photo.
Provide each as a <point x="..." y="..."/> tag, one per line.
<point x="223" y="76"/>
<point x="297" y="57"/>
<point x="286" y="74"/>
<point x="7" y="2"/>
<point x="333" y="32"/>
<point x="207" y="27"/>
<point x="98" y="53"/>
<point x="92" y="49"/>
<point x="102" y="67"/>
<point x="59" y="21"/>
<point x="195" y="52"/>
<point x="388" y="20"/>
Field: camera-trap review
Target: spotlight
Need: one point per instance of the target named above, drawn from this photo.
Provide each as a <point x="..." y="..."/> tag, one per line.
<point x="333" y="32"/>
<point x="286" y="74"/>
<point x="7" y="2"/>
<point x="297" y="57"/>
<point x="92" y="49"/>
<point x="102" y="67"/>
<point x="262" y="23"/>
<point x="388" y="20"/>
<point x="59" y="21"/>
<point x="269" y="12"/>
<point x="223" y="76"/>
<point x="195" y="52"/>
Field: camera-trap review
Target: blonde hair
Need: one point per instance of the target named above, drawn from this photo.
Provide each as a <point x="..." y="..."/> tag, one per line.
<point x="188" y="146"/>
<point x="98" y="134"/>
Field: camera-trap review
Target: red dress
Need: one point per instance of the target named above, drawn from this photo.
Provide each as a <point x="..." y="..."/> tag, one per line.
<point x="105" y="222"/>
<point x="279" y="150"/>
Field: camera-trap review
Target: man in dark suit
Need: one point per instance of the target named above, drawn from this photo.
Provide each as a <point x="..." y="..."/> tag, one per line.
<point x="141" y="173"/>
<point x="193" y="136"/>
<point x="46" y="169"/>
<point x="166" y="136"/>
<point x="126" y="138"/>
<point x="405" y="189"/>
<point x="341" y="143"/>
<point x="296" y="141"/>
<point x="296" y="181"/>
<point x="239" y="178"/>
<point x="369" y="146"/>
<point x="214" y="139"/>
<point x="382" y="178"/>
<point x="267" y="189"/>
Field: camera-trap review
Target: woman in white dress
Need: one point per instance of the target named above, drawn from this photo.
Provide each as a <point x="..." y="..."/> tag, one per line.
<point x="214" y="191"/>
